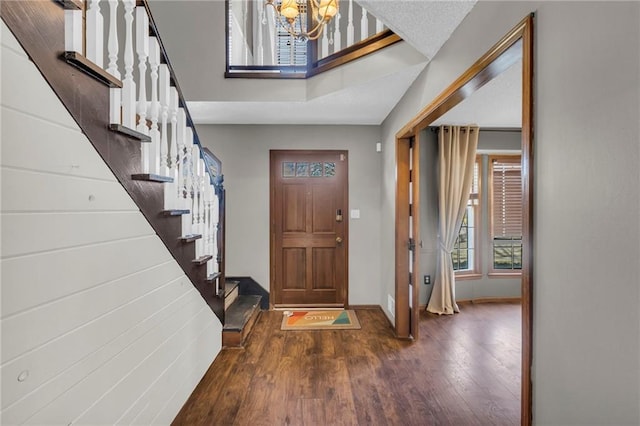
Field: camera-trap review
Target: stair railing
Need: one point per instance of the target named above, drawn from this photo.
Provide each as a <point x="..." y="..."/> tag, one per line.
<point x="121" y="38"/>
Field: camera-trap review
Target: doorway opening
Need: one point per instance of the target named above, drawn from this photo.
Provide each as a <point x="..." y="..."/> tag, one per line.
<point x="516" y="45"/>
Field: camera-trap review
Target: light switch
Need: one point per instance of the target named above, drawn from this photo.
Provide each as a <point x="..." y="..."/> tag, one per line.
<point x="355" y="214"/>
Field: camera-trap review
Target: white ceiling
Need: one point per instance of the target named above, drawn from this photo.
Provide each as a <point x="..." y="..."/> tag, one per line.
<point x="496" y="104"/>
<point x="425" y="25"/>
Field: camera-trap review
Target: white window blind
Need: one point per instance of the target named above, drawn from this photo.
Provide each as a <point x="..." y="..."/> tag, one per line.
<point x="290" y="51"/>
<point x="506" y="175"/>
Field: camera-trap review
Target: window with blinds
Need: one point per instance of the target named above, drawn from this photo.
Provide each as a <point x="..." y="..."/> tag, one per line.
<point x="290" y="51"/>
<point x="463" y="255"/>
<point x="506" y="213"/>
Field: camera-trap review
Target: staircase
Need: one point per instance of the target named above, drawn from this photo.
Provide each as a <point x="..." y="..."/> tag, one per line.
<point x="129" y="104"/>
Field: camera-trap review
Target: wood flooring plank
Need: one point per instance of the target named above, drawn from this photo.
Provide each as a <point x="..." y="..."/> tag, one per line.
<point x="463" y="371"/>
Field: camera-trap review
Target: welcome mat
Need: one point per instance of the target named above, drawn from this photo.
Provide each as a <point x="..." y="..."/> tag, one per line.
<point x="320" y="320"/>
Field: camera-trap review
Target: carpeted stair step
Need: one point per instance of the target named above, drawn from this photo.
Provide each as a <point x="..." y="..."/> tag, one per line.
<point x="239" y="320"/>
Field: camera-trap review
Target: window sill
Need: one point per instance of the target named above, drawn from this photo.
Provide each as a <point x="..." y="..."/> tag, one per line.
<point x="468" y="276"/>
<point x="504" y="274"/>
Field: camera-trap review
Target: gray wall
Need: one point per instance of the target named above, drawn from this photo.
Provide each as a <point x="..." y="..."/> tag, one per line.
<point x="586" y="357"/>
<point x="244" y="151"/>
<point x="466" y="289"/>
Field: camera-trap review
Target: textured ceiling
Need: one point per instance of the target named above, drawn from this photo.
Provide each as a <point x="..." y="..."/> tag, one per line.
<point x="424" y="24"/>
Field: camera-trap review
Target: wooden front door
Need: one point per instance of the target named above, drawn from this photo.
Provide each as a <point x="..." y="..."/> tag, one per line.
<point x="309" y="228"/>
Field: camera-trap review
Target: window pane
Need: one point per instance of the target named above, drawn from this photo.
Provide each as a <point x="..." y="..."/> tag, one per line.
<point x="315" y="169"/>
<point x="507" y="254"/>
<point x="288" y="169"/>
<point x="302" y="169"/>
<point x="329" y="169"/>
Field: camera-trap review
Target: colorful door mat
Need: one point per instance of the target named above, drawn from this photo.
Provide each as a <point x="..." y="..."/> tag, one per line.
<point x="320" y="320"/>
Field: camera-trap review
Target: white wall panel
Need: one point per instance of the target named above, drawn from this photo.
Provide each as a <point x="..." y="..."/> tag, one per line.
<point x="24" y="89"/>
<point x="30" y="397"/>
<point x="25" y="233"/>
<point x="98" y="320"/>
<point x="80" y="194"/>
<point x="32" y="280"/>
<point x="34" y="327"/>
<point x="89" y="394"/>
<point x="61" y="150"/>
<point x="44" y="362"/>
<point x="9" y="41"/>
<point x="136" y="381"/>
<point x="172" y="379"/>
<point x="181" y="388"/>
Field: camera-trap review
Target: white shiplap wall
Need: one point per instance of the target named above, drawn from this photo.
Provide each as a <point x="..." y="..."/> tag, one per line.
<point x="94" y="310"/>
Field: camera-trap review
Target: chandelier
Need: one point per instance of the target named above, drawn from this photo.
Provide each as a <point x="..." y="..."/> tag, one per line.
<point x="322" y="11"/>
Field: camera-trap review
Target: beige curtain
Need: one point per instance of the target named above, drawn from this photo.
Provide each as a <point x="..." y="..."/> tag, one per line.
<point x="457" y="152"/>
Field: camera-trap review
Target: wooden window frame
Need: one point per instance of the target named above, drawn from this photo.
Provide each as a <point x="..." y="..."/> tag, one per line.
<point x="493" y="272"/>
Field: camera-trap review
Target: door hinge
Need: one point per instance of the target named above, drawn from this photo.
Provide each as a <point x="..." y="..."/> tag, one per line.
<point x="410" y="278"/>
<point x="412" y="244"/>
<point x="410" y="209"/>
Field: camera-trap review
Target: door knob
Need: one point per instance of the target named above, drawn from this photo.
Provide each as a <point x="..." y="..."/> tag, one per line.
<point x="338" y="240"/>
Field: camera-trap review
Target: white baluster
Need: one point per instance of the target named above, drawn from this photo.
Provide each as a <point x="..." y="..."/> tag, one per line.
<point x="187" y="219"/>
<point x="95" y="33"/>
<point x="337" y="36"/>
<point x="379" y="26"/>
<point x="128" y="85"/>
<point x="350" y="30"/>
<point x="142" y="49"/>
<point x="206" y="216"/>
<point x="73" y="35"/>
<point x="211" y="230"/>
<point x="164" y="87"/>
<point x="154" y="149"/>
<point x="364" y="25"/>
<point x="201" y="212"/>
<point x="195" y="210"/>
<point x="115" y="94"/>
<point x="112" y="47"/>
<point x="259" y="55"/>
<point x="324" y="45"/>
<point x="180" y="157"/>
<point x="215" y="202"/>
<point x="170" y="199"/>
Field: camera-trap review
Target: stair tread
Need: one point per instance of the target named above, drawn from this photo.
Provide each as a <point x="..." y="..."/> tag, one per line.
<point x="130" y="132"/>
<point x="150" y="177"/>
<point x="202" y="259"/>
<point x="229" y="286"/>
<point x="240" y="312"/>
<point x="214" y="276"/>
<point x="190" y="238"/>
<point x="177" y="212"/>
<point x="81" y="62"/>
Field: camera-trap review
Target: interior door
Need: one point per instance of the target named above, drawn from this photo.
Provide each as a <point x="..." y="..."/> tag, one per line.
<point x="309" y="228"/>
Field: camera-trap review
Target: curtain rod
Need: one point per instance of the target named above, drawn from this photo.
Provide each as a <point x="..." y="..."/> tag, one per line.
<point x="485" y="129"/>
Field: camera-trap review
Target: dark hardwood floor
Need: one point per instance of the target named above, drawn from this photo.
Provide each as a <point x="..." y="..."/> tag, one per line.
<point x="464" y="370"/>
